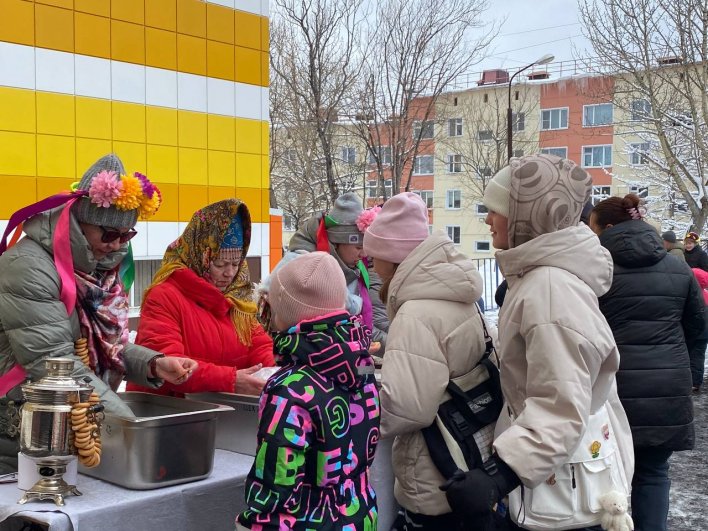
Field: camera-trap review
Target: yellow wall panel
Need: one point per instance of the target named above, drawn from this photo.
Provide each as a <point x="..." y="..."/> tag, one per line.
<point x="220" y="60"/>
<point x="47" y="186"/>
<point x="128" y="122"/>
<point x="17" y="110"/>
<point x="192" y="128"/>
<point x="248" y="136"/>
<point x="265" y="172"/>
<point x="160" y="48"/>
<point x="192" y="166"/>
<point x="54" y="28"/>
<point x="221" y="132"/>
<point x="162" y="164"/>
<point x="129" y="10"/>
<point x="93" y="118"/>
<point x="219" y="193"/>
<point x="265" y="69"/>
<point x="248" y="170"/>
<point x="222" y="168"/>
<point x="191" y="54"/>
<point x="132" y="154"/>
<point x="18" y="154"/>
<point x="265" y="206"/>
<point x="55" y="114"/>
<point x="247" y="30"/>
<point x="95" y="7"/>
<point x="66" y="4"/>
<point x="265" y="138"/>
<point x="161" y="14"/>
<point x="191" y="17"/>
<point x="92" y="35"/>
<point x="56" y="156"/>
<point x="265" y="34"/>
<point x="17" y="22"/>
<point x="127" y="42"/>
<point x="191" y="199"/>
<point x="88" y="151"/>
<point x="16" y="192"/>
<point x="220" y="23"/>
<point x="252" y="198"/>
<point x="170" y="203"/>
<point x="161" y="126"/>
<point x="248" y="66"/>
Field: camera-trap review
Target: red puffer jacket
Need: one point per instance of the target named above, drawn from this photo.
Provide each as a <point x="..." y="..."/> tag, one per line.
<point x="187" y="316"/>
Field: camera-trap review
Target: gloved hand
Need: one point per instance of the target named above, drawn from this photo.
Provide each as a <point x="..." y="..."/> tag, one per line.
<point x="473" y="494"/>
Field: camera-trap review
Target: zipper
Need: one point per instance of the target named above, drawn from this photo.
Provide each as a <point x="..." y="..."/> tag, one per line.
<point x="572" y="473"/>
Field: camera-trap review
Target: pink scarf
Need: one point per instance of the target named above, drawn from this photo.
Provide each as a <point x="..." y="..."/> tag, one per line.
<point x="102" y="308"/>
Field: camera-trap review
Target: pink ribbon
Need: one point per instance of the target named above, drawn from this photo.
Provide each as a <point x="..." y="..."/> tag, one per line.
<point x="12" y="378"/>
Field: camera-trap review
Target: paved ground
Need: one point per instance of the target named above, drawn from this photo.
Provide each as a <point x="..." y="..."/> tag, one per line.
<point x="689" y="475"/>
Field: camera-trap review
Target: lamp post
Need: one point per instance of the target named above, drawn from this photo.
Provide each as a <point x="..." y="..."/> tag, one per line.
<point x="541" y="61"/>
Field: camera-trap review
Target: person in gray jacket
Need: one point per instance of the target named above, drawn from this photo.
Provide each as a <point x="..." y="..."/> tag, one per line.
<point x="81" y="248"/>
<point x="673" y="247"/>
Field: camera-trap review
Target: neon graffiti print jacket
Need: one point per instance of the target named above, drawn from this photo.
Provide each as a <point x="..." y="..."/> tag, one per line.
<point x="319" y="426"/>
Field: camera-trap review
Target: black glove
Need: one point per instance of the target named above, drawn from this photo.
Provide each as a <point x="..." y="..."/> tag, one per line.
<point x="473" y="494"/>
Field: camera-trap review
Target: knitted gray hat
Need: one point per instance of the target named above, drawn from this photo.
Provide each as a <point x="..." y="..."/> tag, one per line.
<point x="88" y="212"/>
<point x="341" y="221"/>
<point x="669" y="236"/>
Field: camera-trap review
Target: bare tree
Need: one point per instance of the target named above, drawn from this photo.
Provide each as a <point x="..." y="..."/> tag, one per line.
<point x="658" y="52"/>
<point x="418" y="47"/>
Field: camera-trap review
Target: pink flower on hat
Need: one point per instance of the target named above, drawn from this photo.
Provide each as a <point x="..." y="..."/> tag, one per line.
<point x="105" y="188"/>
<point x="367" y="217"/>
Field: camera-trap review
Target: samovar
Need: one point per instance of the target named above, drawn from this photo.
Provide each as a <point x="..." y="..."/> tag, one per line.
<point x="46" y="435"/>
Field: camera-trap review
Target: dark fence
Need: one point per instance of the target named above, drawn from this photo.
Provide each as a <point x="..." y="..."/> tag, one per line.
<point x="491" y="277"/>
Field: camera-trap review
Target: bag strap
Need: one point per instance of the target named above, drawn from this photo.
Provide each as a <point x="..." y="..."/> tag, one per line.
<point x="439" y="453"/>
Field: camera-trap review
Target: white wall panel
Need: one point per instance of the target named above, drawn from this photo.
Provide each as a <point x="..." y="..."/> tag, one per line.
<point x="17" y="66"/>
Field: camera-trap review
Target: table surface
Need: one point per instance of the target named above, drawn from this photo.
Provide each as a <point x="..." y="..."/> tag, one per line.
<point x="211" y="503"/>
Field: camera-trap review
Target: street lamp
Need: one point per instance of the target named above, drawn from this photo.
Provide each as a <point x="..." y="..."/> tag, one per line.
<point x="542" y="61"/>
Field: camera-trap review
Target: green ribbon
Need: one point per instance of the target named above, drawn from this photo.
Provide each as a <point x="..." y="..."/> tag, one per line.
<point x="127" y="269"/>
<point x="364" y="273"/>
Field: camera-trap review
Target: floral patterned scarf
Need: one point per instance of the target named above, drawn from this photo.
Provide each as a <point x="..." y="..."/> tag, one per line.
<point x="102" y="307"/>
<point x="200" y="243"/>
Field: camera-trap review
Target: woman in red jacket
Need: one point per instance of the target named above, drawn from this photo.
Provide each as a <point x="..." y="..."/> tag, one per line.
<point x="199" y="305"/>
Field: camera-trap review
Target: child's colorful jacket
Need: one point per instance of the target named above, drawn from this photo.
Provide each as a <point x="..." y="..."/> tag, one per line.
<point x="319" y="426"/>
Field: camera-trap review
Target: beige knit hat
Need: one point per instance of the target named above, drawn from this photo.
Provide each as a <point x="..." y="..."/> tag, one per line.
<point x="496" y="194"/>
<point x="311" y="286"/>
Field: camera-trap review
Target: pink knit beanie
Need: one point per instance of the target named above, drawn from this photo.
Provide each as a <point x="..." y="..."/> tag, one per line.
<point x="310" y="286"/>
<point x="399" y="228"/>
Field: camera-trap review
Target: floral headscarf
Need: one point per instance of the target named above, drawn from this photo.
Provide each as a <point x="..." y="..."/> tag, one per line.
<point x="200" y="243"/>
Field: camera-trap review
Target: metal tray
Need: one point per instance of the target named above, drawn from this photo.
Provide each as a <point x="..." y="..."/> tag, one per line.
<point x="236" y="430"/>
<point x="170" y="441"/>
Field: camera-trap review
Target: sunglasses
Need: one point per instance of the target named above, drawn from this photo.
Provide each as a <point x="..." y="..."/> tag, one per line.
<point x="111" y="235"/>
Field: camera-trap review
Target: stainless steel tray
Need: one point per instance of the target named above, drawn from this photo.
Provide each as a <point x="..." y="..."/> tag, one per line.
<point x="170" y="441"/>
<point x="236" y="430"/>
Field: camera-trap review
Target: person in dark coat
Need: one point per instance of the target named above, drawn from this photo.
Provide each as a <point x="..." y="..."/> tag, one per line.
<point x="655" y="309"/>
<point x="697" y="354"/>
<point x="695" y="256"/>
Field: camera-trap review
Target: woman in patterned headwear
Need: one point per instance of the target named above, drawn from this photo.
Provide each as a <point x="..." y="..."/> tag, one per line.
<point x="199" y="305"/>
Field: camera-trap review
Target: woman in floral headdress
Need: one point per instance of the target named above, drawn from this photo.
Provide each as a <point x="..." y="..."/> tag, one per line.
<point x="61" y="285"/>
<point x="199" y="305"/>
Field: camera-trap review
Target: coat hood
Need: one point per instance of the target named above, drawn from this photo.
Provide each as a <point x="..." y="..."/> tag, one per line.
<point x="41" y="227"/>
<point x="434" y="270"/>
<point x="335" y="346"/>
<point x="633" y="244"/>
<point x="574" y="249"/>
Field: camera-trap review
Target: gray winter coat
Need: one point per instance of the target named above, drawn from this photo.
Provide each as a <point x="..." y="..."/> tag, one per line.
<point x="34" y="324"/>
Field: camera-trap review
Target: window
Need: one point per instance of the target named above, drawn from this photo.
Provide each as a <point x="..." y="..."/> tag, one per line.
<point x="484" y="134"/>
<point x="453" y="199"/>
<point x="348" y="155"/>
<point x="454" y="126"/>
<point x="597" y="156"/>
<point x="430" y="230"/>
<point x="426" y="196"/>
<point x="383" y="153"/>
<point x="518" y="153"/>
<point x="372" y="188"/>
<point x="482" y="247"/>
<point x="144" y="271"/>
<point x="554" y="119"/>
<point x="290" y="156"/>
<point x="289" y="222"/>
<point x="486" y="98"/>
<point x="453" y="232"/>
<point x="599" y="193"/>
<point x="641" y="110"/>
<point x="388" y="186"/>
<point x="638" y="154"/>
<point x="484" y="173"/>
<point x="517" y="121"/>
<point x="423" y="165"/>
<point x="454" y="163"/>
<point x="595" y="115"/>
<point x="561" y="152"/>
<point x="481" y="209"/>
<point x="424" y="129"/>
<point x="641" y="191"/>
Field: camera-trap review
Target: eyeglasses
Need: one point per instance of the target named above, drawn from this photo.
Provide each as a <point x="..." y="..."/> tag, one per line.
<point x="111" y="235"/>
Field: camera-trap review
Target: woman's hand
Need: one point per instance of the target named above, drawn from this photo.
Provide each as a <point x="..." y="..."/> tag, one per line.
<point x="175" y="370"/>
<point x="247" y="384"/>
